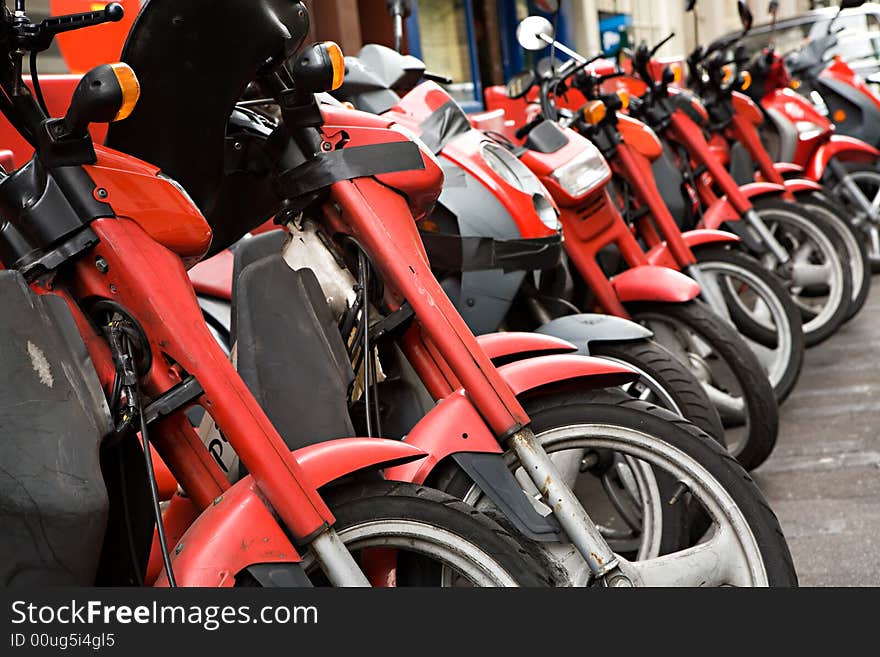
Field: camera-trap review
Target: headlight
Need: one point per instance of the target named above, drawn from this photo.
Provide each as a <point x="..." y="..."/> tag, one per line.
<point x="584" y="173"/>
<point x="505" y="164"/>
<point x="518" y="175"/>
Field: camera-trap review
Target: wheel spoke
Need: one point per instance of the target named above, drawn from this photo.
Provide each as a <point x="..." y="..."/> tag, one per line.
<point x="706" y="564"/>
<point x="806" y="275"/>
<point x="731" y="409"/>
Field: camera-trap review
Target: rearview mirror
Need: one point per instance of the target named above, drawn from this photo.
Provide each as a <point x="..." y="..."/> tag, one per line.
<point x="519" y="85"/>
<point x="851" y="4"/>
<point x="547" y="6"/>
<point x="745" y="15"/>
<point x="535" y="33"/>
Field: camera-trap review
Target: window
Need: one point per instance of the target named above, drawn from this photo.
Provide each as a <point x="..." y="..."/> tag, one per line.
<point x="445" y="44"/>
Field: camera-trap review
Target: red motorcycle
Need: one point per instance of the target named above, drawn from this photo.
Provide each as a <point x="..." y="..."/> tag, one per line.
<point x="805" y="141"/>
<point x="95" y="245"/>
<point x="576" y="174"/>
<point x="736" y="286"/>
<point x="293" y="174"/>
<point x="794" y="243"/>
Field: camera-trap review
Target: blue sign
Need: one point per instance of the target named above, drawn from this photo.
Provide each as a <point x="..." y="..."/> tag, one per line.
<point x="612" y="31"/>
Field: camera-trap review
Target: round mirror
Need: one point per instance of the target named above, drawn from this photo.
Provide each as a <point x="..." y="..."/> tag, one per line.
<point x="547" y="6"/>
<point x="519" y="85"/>
<point x="534" y="32"/>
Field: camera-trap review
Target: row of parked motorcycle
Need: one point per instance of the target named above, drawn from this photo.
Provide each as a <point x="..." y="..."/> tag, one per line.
<point x="560" y="328"/>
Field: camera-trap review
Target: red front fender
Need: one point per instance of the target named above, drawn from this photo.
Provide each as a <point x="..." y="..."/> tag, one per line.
<point x="722" y="210"/>
<point x="797" y="185"/>
<point x="652" y="283"/>
<point x="661" y="257"/>
<point x="238" y="530"/>
<point x="454" y="426"/>
<point x="788" y="168"/>
<point x="845" y="149"/>
<point x="522" y="345"/>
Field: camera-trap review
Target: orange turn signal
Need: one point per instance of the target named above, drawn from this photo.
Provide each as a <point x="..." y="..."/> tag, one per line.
<point x="594" y="112"/>
<point x="623" y="94"/>
<point x="334" y="53"/>
<point x="839" y="116"/>
<point x="795" y="84"/>
<point x="728" y="74"/>
<point x="745" y="81"/>
<point x="130" y="87"/>
<point x="677" y="73"/>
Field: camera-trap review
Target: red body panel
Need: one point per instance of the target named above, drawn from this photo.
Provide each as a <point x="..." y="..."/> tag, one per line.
<point x="499" y="345"/>
<point x="213" y="277"/>
<point x="135" y="192"/>
<point x="640" y="137"/>
<point x="651" y="283"/>
<point x="838" y="69"/>
<point x="102" y="44"/>
<point x="453" y="426"/>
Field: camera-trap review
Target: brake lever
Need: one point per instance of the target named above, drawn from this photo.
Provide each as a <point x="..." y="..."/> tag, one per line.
<point x="38" y="37"/>
<point x="436" y="77"/>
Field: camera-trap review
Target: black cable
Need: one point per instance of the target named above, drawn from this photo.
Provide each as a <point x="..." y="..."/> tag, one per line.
<point x="154" y="487"/>
<point x="363" y="274"/>
<point x="35" y="80"/>
<point x="126" y="514"/>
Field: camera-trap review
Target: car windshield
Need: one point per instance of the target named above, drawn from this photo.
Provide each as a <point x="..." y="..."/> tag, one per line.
<point x="858" y="37"/>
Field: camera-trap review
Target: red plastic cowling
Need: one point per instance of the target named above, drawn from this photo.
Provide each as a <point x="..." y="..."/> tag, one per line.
<point x="661" y="257"/>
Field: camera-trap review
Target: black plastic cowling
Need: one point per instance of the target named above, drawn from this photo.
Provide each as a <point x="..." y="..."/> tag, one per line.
<point x="194" y="60"/>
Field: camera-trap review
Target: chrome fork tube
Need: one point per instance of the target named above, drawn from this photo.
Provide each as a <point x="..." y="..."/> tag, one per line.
<point x="567" y="509"/>
<point x="754" y="220"/>
<point x="336" y="561"/>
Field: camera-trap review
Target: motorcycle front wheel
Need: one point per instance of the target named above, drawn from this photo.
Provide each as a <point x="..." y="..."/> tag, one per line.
<point x="755" y="302"/>
<point x="739" y="541"/>
<point x="729" y="370"/>
<point x="408" y="535"/>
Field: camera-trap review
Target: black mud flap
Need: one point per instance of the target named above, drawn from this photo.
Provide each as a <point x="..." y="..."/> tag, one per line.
<point x="53" y="417"/>
<point x="290" y="352"/>
<point x="490" y="473"/>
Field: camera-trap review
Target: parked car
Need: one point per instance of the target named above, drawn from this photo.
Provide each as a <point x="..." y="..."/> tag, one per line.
<point x="858" y="41"/>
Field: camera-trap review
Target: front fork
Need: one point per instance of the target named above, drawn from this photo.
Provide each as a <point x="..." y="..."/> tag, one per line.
<point x="871" y="209"/>
<point x="567" y="508"/>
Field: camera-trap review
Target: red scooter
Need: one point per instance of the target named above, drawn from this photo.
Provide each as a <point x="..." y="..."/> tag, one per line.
<point x="788" y="239"/>
<point x="576" y="174"/>
<point x="99" y="241"/>
<point x="806" y="143"/>
<point x="736" y="286"/>
<point x="734" y="126"/>
<point x="329" y="166"/>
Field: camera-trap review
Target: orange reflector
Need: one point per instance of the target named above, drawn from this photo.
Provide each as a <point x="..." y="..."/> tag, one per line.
<point x="130" y="88"/>
<point x="745" y="81"/>
<point x="334" y="52"/>
<point x="839" y="116"/>
<point x="594" y="112"/>
<point x="795" y="84"/>
<point x="623" y="94"/>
